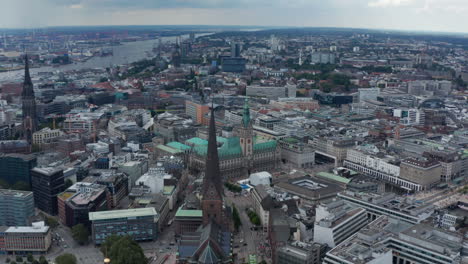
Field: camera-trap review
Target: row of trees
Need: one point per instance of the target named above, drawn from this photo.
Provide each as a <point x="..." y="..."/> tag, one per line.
<point x="30" y="259"/>
<point x="254" y="218"/>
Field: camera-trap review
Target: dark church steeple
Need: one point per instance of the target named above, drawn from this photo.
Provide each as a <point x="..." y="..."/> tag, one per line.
<point x="29" y="104"/>
<point x="212" y="202"/>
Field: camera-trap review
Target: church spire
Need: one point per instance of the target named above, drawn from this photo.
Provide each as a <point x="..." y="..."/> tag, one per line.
<point x="246" y="114"/>
<point x="212" y="172"/>
<point x="27" y="85"/>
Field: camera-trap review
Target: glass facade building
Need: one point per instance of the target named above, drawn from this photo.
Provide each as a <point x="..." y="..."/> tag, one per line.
<point x="16" y="207"/>
<point x="140" y="223"/>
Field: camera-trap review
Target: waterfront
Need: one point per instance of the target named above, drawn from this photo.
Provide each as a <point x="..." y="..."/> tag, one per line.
<point x="126" y="53"/>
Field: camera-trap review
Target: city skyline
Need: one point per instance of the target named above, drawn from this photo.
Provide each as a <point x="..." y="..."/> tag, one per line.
<point x="412" y="15"/>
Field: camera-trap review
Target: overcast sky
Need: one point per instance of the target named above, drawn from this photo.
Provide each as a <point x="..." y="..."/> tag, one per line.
<point x="428" y="15"/>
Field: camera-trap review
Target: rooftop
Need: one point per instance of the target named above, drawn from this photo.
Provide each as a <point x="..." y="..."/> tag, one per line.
<point x="189" y="213"/>
<point x="38" y="227"/>
<point x="14" y="193"/>
<point x="115" y="214"/>
<point x="333" y="177"/>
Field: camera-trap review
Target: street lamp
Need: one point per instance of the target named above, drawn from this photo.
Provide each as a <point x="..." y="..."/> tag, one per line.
<point x="107" y="260"/>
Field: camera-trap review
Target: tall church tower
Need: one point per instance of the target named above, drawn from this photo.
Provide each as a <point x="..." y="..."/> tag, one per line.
<point x="246" y="132"/>
<point x="29" y="105"/>
<point x="212" y="191"/>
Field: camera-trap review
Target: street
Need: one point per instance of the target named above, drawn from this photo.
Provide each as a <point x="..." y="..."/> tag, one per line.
<point x="247" y="241"/>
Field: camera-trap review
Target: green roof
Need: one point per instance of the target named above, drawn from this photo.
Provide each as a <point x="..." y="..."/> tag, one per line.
<point x="333" y="177"/>
<point x="265" y="146"/>
<point x="231" y="147"/>
<point x="168" y="149"/>
<point x="189" y="213"/>
<point x="168" y="189"/>
<point x="290" y="140"/>
<point x="197" y="141"/>
<point x="178" y="145"/>
<point x="115" y="214"/>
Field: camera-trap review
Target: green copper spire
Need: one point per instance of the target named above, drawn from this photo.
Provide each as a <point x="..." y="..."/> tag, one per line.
<point x="246" y="115"/>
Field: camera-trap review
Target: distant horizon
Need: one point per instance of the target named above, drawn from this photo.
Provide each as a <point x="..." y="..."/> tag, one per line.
<point x="407" y="15"/>
<point x="262" y="27"/>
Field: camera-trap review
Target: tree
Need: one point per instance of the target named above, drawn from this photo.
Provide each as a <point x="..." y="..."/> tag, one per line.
<point x="66" y="258"/>
<point x="43" y="260"/>
<point x="68" y="183"/>
<point x="30" y="257"/>
<point x="80" y="234"/>
<point x="35" y="262"/>
<point x="123" y="250"/>
<point x="236" y="218"/>
<point x="8" y="260"/>
<point x="21" y="186"/>
<point x="19" y="259"/>
<point x="52" y="222"/>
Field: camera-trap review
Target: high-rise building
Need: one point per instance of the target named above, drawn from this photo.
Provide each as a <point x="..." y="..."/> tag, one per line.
<point x="77" y="201"/>
<point x="235" y="50"/>
<point x="336" y="221"/>
<point x="16" y="167"/>
<point x="47" y="183"/>
<point x="16" y="207"/>
<point x="29" y="105"/>
<point x="196" y="111"/>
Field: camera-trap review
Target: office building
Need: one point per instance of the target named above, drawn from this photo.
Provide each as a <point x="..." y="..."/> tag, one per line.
<point x="425" y="172"/>
<point x="272" y="92"/>
<point x="404" y="209"/>
<point x="262" y="204"/>
<point x="77" y="201"/>
<point x="16" y="167"/>
<point x="367" y="160"/>
<point x="196" y="111"/>
<point x="140" y="223"/>
<point x="187" y="221"/>
<point x="310" y="190"/>
<point x="235" y="50"/>
<point x="46" y="135"/>
<point x="366" y="94"/>
<point x="298" y="252"/>
<point x="387" y="241"/>
<point x="22" y="240"/>
<point x="16" y="208"/>
<point x="334" y="148"/>
<point x="231" y="64"/>
<point x="296" y="153"/>
<point x="47" y="183"/>
<point x="322" y="58"/>
<point x="335" y="221"/>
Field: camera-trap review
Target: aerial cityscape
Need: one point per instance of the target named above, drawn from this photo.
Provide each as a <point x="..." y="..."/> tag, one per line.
<point x="127" y="140"/>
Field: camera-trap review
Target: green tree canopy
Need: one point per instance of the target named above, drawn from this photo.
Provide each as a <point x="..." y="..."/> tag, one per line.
<point x="80" y="233"/>
<point x="52" y="222"/>
<point x="43" y="260"/>
<point x="68" y="183"/>
<point x="123" y="250"/>
<point x="66" y="258"/>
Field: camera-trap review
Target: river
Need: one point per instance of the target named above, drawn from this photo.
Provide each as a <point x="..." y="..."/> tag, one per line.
<point x="126" y="53"/>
